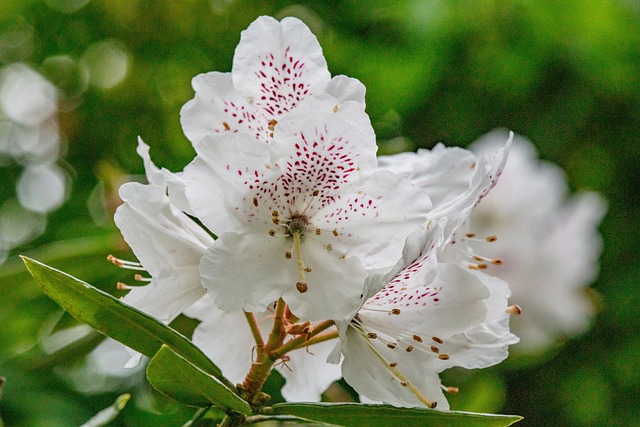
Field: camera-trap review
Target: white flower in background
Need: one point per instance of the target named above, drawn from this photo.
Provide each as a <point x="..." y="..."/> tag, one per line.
<point x="428" y="317"/>
<point x="227" y="339"/>
<point x="276" y="66"/>
<point x="547" y="240"/>
<point x="300" y="217"/>
<point x="454" y="178"/>
<point x="29" y="136"/>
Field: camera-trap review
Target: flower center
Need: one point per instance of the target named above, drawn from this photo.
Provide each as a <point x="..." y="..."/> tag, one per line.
<point x="298" y="224"/>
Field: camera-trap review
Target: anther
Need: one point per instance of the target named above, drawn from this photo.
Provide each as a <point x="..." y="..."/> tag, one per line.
<point x="435" y="349"/>
<point x="255" y="201"/>
<point x="417" y="338"/>
<point x="451" y="389"/>
<point x="372" y="335"/>
<point x="392" y="345"/>
<point x="272" y="124"/>
<point x="335" y="232"/>
<point x="433" y="405"/>
<point x="272" y="233"/>
<point x="438" y="340"/>
<point x="114" y="260"/>
<point x="315" y="193"/>
<point x="274" y="214"/>
<point x="443" y="356"/>
<point x="482" y="266"/>
<point x="514" y="309"/>
<point x="317" y="231"/>
<point x="404" y="383"/>
<point x="491" y="238"/>
<point x="122" y="286"/>
<point x="275" y="220"/>
<point x="335" y="108"/>
<point x="393" y="364"/>
<point x="287" y="255"/>
<point x="395" y="311"/>
<point x="409" y="348"/>
<point x="496" y="261"/>
<point x="329" y="247"/>
<point x="471" y="235"/>
<point x="302" y="287"/>
<point x="307" y="269"/>
<point x="226" y="126"/>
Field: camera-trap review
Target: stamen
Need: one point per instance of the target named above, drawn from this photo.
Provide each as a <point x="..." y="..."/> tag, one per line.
<point x="438" y="340"/>
<point x="395" y="311"/>
<point x="123" y="286"/>
<point x="490" y="239"/>
<point x="226" y="126"/>
<point x="287" y="254"/>
<point x="140" y="278"/>
<point x="514" y="309"/>
<point x="272" y="233"/>
<point x="409" y="348"/>
<point x="255" y="201"/>
<point x="393" y="364"/>
<point x="435" y="349"/>
<point x="301" y="285"/>
<point x="125" y="264"/>
<point x="317" y="231"/>
<point x="372" y="335"/>
<point x="451" y="389"/>
<point x="443" y="356"/>
<point x="392" y="345"/>
<point x="335" y="232"/>
<point x="417" y="338"/>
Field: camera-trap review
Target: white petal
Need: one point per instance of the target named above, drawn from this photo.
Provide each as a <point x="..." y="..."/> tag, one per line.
<point x="308" y="374"/>
<point x="451" y="303"/>
<point x="247" y="271"/>
<point x="217" y="108"/>
<point x="345" y="88"/>
<point x="279" y="64"/>
<point x="374" y="219"/>
<point x="334" y="283"/>
<point x="369" y="374"/>
<point x="225" y="337"/>
<point x="220" y="179"/>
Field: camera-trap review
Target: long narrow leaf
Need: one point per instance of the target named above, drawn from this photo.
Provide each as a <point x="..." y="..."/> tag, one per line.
<point x="354" y="414"/>
<point x="116" y="319"/>
<point x="174" y="376"/>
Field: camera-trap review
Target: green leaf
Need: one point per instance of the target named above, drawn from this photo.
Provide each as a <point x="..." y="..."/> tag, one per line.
<point x="116" y="319"/>
<point x="174" y="376"/>
<point x="108" y="414"/>
<point x="355" y="414"/>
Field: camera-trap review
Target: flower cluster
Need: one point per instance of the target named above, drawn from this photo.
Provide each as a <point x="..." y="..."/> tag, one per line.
<point x="309" y="240"/>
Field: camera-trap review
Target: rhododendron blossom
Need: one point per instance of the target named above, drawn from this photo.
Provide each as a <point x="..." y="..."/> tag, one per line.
<point x="303" y="217"/>
<point x="429" y="316"/>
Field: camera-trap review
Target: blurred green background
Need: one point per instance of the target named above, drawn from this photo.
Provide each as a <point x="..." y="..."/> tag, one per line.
<point x="565" y="74"/>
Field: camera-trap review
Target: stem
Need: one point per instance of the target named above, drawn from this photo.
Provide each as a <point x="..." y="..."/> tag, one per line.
<point x="276" y="335"/>
<point x="300" y="341"/>
<point x="320" y="338"/>
<point x="255" y="330"/>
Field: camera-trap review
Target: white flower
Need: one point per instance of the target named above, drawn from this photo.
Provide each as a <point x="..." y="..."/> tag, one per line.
<point x="303" y="216"/>
<point x="276" y="66"/>
<point x="454" y="178"/>
<point x="227" y="339"/>
<point x="429" y="317"/>
<point x="547" y="240"/>
<point x="167" y="242"/>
